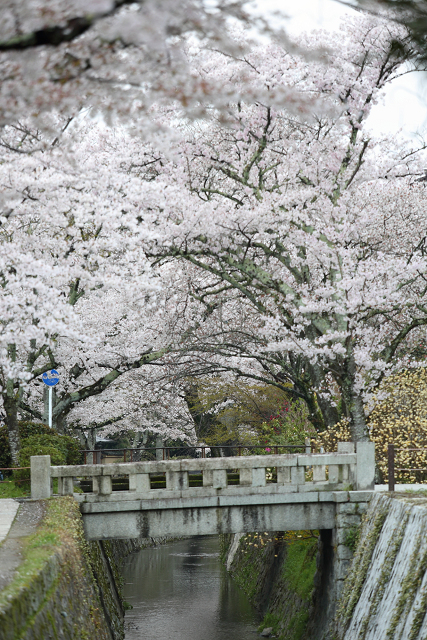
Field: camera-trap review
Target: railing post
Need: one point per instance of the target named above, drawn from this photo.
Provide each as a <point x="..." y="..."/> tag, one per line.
<point x="67" y="486"/>
<point x="347" y="472"/>
<point x="40" y="477"/>
<point x="365" y="466"/>
<point x="390" y="453"/>
<point x="307" y="443"/>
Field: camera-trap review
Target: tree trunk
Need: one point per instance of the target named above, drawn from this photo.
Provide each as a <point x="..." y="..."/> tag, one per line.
<point x="159" y="447"/>
<point x="89" y="435"/>
<point x="322" y="413"/>
<point x="11" y="408"/>
<point x="358" y="427"/>
<point x="354" y="403"/>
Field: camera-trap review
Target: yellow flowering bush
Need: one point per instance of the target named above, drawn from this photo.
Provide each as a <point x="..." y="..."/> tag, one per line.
<point x="399" y="416"/>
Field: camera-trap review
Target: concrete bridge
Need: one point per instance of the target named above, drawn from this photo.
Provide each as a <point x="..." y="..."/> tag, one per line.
<point x="308" y="491"/>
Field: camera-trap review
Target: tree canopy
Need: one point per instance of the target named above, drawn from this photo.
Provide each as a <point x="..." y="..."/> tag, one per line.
<point x="180" y="201"/>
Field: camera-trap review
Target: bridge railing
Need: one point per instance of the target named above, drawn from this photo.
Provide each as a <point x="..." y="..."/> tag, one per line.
<point x="110" y="456"/>
<point x="283" y="473"/>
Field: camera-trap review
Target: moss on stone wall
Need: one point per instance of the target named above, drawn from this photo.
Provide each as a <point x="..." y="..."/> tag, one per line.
<point x="278" y="575"/>
<point x="65" y="587"/>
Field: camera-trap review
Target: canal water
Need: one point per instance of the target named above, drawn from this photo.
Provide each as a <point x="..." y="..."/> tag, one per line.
<point x="181" y="591"/>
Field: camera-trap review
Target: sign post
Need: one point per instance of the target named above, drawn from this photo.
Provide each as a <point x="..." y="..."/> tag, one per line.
<point x="50" y="378"/>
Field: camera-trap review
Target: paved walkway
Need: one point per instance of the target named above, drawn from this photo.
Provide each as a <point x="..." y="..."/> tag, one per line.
<point x="8" y="510"/>
<point x="412" y="488"/>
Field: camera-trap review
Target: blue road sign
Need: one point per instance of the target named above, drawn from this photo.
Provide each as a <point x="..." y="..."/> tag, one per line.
<point x="51" y="378"/>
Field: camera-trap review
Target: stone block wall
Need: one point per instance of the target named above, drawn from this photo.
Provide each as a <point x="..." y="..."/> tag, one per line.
<point x="65" y="587"/>
<point x="348" y="521"/>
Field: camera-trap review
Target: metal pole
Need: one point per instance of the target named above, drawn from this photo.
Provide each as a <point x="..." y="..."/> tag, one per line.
<point x="391" y="467"/>
<point x="50" y="407"/>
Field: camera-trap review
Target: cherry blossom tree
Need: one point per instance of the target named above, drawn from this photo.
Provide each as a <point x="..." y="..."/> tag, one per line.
<point x="313" y="223"/>
<point x="78" y="293"/>
<point x="61" y="239"/>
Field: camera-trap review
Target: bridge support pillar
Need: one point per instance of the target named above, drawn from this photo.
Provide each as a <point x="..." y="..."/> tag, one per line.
<point x="348" y="473"/>
<point x="348" y="518"/>
<point x="319" y="473"/>
<point x="258" y="477"/>
<point x="207" y="477"/>
<point x="245" y="477"/>
<point x="365" y="471"/>
<point x="334" y="473"/>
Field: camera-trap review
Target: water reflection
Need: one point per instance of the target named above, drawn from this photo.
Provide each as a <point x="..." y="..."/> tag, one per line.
<point x="181" y="591"/>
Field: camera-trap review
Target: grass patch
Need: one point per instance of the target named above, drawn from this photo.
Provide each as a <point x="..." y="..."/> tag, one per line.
<point x="8" y="489"/>
<point x="270" y="620"/>
<point x="300" y="566"/>
<point x="296" y="627"/>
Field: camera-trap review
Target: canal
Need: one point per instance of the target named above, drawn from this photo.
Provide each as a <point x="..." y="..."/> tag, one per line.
<point x="181" y="591"/>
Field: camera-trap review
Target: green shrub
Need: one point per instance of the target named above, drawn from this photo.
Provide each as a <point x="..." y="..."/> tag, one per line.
<point x="68" y="446"/>
<point x="26" y="429"/>
<point x="57" y="457"/>
<point x="35" y="434"/>
<point x="45" y="440"/>
<point x="74" y="452"/>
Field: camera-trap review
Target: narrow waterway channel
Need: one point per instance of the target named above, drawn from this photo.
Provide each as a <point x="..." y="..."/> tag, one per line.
<point x="181" y="591"/>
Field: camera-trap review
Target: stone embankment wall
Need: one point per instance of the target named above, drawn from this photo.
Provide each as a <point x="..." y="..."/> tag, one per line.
<point x="65" y="587"/>
<point x="385" y="593"/>
<point x="282" y="578"/>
